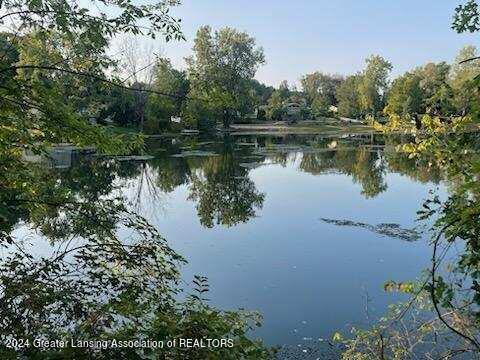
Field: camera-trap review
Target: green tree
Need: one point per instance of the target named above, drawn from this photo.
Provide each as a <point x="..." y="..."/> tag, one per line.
<point x="348" y="97"/>
<point x="467" y="17"/>
<point x="321" y="106"/>
<point x="425" y="90"/>
<point x="275" y="109"/>
<point x="405" y="98"/>
<point x="438" y="94"/>
<point x="261" y="92"/>
<point x="160" y="108"/>
<point x="221" y="69"/>
<point x="119" y="107"/>
<point x="321" y="91"/>
<point x="462" y="76"/>
<point x="373" y="85"/>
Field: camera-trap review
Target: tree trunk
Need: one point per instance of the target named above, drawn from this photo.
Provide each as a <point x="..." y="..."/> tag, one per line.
<point x="226" y="118"/>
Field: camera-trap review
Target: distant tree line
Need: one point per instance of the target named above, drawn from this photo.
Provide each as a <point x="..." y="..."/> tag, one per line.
<point x="218" y="87"/>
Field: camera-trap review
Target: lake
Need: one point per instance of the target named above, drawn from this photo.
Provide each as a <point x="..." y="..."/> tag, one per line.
<point x="288" y="225"/>
<point x="304" y="229"/>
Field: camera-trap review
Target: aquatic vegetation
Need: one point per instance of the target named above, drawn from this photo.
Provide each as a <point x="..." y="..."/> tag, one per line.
<point x="390" y="230"/>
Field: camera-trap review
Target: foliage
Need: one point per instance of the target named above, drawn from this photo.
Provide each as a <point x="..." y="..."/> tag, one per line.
<point x="281" y="98"/>
<point x="49" y="94"/>
<point x="439" y="90"/>
<point x="364" y="93"/>
<point x="275" y="109"/>
<point x="321" y="106"/>
<point x="221" y="70"/>
<point x="405" y="96"/>
<point x="160" y="108"/>
<point x="107" y="272"/>
<point x="260" y="92"/>
<point x="348" y="97"/>
<point x="321" y="91"/>
<point x="408" y="330"/>
<point x="462" y="79"/>
<point x="467" y="17"/>
<point x="373" y="85"/>
<point x="120" y="107"/>
<point x="425" y="90"/>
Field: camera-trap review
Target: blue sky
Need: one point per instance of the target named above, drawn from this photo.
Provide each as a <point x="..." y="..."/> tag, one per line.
<point x="335" y="36"/>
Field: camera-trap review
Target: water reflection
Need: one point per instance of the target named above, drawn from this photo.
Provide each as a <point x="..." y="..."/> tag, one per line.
<point x="363" y="165"/>
<point x="223" y="192"/>
<point x="217" y="172"/>
<point x="295" y="268"/>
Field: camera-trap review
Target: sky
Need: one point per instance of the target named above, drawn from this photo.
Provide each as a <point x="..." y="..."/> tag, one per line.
<point x="334" y="36"/>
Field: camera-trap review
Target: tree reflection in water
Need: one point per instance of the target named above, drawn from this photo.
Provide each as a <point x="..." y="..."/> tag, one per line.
<point x="224" y="193"/>
<point x="79" y="264"/>
<point x="109" y="274"/>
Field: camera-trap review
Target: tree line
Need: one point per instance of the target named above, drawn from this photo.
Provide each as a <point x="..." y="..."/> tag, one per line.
<point x="218" y="87"/>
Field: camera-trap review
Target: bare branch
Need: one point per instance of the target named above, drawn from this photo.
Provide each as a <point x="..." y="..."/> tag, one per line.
<point x="470" y="59"/>
<point x="472" y="340"/>
<point x="93" y="76"/>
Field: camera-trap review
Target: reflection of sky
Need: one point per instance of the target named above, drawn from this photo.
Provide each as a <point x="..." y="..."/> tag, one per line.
<point x="306" y="277"/>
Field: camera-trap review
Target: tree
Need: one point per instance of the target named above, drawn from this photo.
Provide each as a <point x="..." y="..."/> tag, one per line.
<point x="284" y="89"/>
<point x="275" y="108"/>
<point x="373" y="85"/>
<point x="321" y="91"/>
<point x="405" y="97"/>
<point x="462" y="76"/>
<point x="221" y="69"/>
<point x="119" y="107"/>
<point x="136" y="63"/>
<point x="425" y="90"/>
<point x="348" y="97"/>
<point x="62" y="56"/>
<point x="437" y="92"/>
<point x="467" y="17"/>
<point x="160" y="108"/>
<point x="321" y="106"/>
<point x="364" y="93"/>
<point x="261" y="92"/>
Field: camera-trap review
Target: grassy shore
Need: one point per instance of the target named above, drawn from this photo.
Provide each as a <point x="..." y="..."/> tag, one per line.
<point x="327" y="125"/>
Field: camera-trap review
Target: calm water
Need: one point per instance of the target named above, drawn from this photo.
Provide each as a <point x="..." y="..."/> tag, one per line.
<point x="246" y="212"/>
